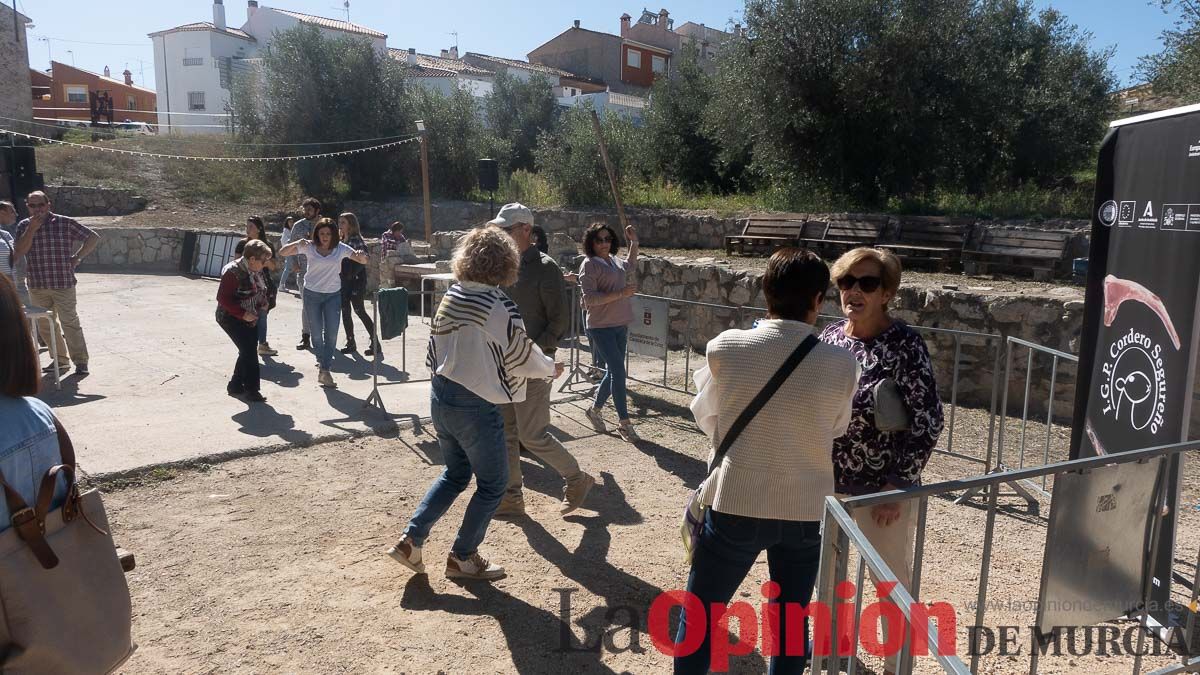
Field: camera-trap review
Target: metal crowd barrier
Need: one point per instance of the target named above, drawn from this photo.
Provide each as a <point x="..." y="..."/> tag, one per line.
<point x="744" y="316"/>
<point x="840" y="535"/>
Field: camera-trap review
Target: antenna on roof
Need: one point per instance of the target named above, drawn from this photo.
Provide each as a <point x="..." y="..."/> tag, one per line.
<point x="455" y="34"/>
<point x="345" y="8"/>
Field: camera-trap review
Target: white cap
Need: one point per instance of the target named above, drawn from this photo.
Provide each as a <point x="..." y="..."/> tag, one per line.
<point x="512" y="214"/>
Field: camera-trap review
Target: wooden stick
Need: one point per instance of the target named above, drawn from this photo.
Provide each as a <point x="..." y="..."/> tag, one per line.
<point x="612" y="177"/>
<point x="425" y="188"/>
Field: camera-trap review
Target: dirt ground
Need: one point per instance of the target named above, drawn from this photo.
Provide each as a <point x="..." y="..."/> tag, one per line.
<point x="276" y="563"/>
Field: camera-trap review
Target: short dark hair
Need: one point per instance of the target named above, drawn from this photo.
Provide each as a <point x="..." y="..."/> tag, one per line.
<point x="539" y="239"/>
<point x="313" y="202"/>
<point x="589" y="239"/>
<point x="794" y="277"/>
<point x="19" y="368"/>
<point x="397" y="226"/>
<point x="316" y="233"/>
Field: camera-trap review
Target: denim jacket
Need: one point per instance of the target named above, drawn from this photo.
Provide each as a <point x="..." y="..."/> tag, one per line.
<point x="28" y="448"/>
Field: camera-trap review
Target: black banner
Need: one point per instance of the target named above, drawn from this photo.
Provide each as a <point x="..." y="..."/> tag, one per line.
<point x="1138" y="348"/>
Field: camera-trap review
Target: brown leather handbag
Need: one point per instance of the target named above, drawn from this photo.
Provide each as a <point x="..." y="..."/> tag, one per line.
<point x="64" y="603"/>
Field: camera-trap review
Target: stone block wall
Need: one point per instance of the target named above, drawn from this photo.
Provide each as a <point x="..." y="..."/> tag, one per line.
<point x="139" y="249"/>
<point x="75" y="200"/>
<point x="1053" y="321"/>
<point x="660" y="228"/>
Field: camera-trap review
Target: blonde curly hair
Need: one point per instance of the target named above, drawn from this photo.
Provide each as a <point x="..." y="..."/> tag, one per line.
<point x="486" y="255"/>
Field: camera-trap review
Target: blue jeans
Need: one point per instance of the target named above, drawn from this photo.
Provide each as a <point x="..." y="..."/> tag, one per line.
<point x="470" y="432"/>
<point x="287" y="270"/>
<point x="610" y="344"/>
<point x="323" y="311"/>
<point x="262" y="328"/>
<point x="725" y="551"/>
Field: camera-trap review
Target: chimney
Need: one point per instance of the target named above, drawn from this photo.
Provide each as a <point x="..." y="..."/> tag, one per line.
<point x="219" y="14"/>
<point x="445" y="53"/>
<point x="737" y="30"/>
<point x="454" y="52"/>
<point x="625" y="24"/>
<point x="662" y="18"/>
<point x="107" y="72"/>
<point x="577" y="23"/>
<point x="251" y="8"/>
<point x="128" y="77"/>
<point x="412" y="56"/>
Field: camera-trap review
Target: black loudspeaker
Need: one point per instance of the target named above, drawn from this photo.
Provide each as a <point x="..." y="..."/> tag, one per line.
<point x="18" y="161"/>
<point x="489" y="175"/>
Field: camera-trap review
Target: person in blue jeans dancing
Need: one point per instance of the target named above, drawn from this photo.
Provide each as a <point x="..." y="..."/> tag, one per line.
<point x="607" y="285"/>
<point x="768" y="492"/>
<point x="323" y="289"/>
<point x="480" y="357"/>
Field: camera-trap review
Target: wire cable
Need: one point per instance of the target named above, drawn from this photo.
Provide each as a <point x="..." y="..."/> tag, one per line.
<point x="159" y="155"/>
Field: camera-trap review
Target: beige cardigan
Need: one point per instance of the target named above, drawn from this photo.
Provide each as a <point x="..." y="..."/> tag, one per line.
<point x="780" y="467"/>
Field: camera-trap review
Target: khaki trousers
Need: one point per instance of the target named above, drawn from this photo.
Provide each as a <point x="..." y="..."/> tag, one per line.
<point x="62" y="302"/>
<point x="895" y="545"/>
<point x="526" y="423"/>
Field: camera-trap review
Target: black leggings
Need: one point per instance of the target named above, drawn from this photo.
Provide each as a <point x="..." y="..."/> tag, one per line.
<point x="355" y="299"/>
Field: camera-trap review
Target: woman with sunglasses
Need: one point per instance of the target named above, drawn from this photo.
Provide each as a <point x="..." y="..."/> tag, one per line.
<point x="866" y="459"/>
<point x="607" y="289"/>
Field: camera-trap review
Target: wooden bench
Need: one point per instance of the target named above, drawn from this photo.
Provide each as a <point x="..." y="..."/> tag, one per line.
<point x="764" y="234"/>
<point x="835" y="237"/>
<point x="1013" y="250"/>
<point x="933" y="242"/>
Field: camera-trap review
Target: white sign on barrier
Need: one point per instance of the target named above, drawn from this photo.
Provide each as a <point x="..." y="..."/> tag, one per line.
<point x="648" y="332"/>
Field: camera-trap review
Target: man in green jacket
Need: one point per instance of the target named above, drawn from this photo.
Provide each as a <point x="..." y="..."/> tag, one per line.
<point x="540" y="296"/>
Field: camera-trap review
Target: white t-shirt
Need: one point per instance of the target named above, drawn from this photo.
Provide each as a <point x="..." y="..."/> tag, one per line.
<point x="324" y="270"/>
<point x="7" y="246"/>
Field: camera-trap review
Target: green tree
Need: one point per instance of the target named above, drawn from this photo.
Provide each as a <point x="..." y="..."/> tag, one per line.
<point x="1176" y="69"/>
<point x="569" y="156"/>
<point x="517" y="112"/>
<point x="313" y="91"/>
<point x="454" y="137"/>
<point x="871" y="100"/>
<point x="678" y="143"/>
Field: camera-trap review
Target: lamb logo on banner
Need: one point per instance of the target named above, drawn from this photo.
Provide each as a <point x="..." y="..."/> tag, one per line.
<point x="1133" y="385"/>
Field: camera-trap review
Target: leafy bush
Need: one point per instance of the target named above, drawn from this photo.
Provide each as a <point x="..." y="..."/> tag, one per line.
<point x="569" y="156"/>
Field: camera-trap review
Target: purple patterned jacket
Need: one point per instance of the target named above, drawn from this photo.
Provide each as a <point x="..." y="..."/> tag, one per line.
<point x="866" y="459"/>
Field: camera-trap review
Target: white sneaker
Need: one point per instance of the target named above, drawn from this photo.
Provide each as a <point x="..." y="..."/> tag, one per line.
<point x="625" y="429"/>
<point x="593" y="415"/>
<point x="408" y="554"/>
<point x="475" y="567"/>
<point x="264" y="349"/>
<point x="325" y="379"/>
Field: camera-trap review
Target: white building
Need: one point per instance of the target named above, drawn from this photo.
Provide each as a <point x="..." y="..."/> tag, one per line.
<point x="444" y="73"/>
<point x="194" y="63"/>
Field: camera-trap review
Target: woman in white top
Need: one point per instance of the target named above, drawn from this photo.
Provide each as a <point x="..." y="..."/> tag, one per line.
<point x="768" y="492"/>
<point x="323" y="289"/>
<point x="480" y="357"/>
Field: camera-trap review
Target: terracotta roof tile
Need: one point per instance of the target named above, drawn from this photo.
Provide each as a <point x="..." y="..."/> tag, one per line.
<point x="333" y="24"/>
<point x="206" y="25"/>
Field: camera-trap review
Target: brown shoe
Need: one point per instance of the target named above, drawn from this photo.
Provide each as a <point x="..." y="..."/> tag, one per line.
<point x="474" y="567"/>
<point x="576" y="492"/>
<point x="510" y="507"/>
<point x="408" y="554"/>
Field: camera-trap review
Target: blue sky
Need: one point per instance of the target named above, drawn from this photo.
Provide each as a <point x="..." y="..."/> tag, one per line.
<point x="497" y="27"/>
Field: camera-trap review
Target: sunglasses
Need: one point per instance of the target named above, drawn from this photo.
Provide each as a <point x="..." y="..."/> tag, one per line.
<point x="865" y="284"/>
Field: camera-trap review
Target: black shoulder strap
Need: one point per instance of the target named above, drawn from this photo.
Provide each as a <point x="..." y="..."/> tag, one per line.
<point x="761" y="399"/>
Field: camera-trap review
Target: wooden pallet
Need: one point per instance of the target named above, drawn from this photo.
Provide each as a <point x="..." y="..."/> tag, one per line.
<point x="929" y="242"/>
<point x="765" y="234"/>
<point x="1020" y="251"/>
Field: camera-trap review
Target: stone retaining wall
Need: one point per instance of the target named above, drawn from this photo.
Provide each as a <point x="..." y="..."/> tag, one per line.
<point x="139" y="249"/>
<point x="75" y="200"/>
<point x="660" y="228"/>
